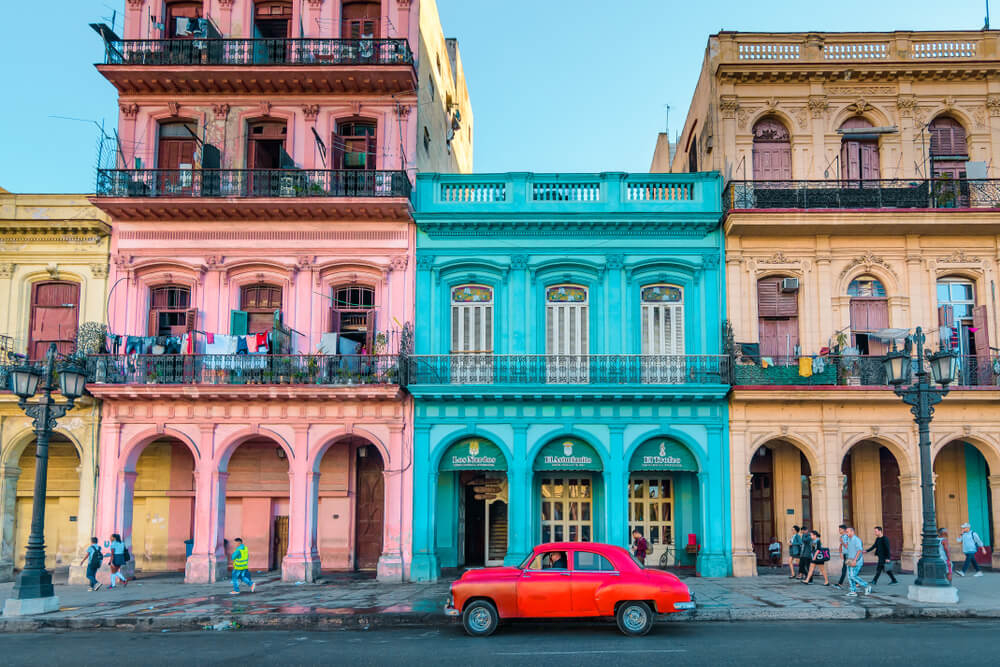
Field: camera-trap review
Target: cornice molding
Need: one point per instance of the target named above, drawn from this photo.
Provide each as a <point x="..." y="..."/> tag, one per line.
<point x="533" y="227"/>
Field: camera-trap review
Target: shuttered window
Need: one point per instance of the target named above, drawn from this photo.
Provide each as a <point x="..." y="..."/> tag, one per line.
<point x="777" y="313"/>
<point x="472" y="319"/>
<point x="55" y="315"/>
<point x="662" y="320"/>
<point x="859" y="158"/>
<point x="948" y="138"/>
<point x="170" y="312"/>
<point x="772" y="151"/>
<point x="260" y="302"/>
<point x="567" y="333"/>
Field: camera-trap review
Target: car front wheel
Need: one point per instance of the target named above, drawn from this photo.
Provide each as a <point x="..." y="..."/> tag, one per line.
<point x="634" y="618"/>
<point x="480" y="618"/>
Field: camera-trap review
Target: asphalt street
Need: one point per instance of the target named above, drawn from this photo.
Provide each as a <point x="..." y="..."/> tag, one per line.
<point x="819" y="643"/>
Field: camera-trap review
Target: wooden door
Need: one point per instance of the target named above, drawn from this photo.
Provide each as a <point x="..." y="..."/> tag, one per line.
<point x="868" y="315"/>
<point x="55" y="315"/>
<point x="762" y="504"/>
<point x="280" y="546"/>
<point x="892" y="502"/>
<point x="369" y="510"/>
<point x="475" y="529"/>
<point x="175" y="158"/>
<point x="361" y="20"/>
<point x="981" y="346"/>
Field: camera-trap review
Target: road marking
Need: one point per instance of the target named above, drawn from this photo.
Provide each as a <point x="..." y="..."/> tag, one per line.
<point x="617" y="651"/>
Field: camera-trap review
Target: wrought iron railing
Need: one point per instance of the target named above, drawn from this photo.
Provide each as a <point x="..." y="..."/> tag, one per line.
<point x="540" y="369"/>
<point x="244" y="52"/>
<point x="883" y="193"/>
<point x="246" y="183"/>
<point x="242" y="369"/>
<point x="841" y="370"/>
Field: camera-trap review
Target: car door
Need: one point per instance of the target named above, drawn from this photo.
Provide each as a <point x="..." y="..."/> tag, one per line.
<point x="544" y="590"/>
<point x="591" y="571"/>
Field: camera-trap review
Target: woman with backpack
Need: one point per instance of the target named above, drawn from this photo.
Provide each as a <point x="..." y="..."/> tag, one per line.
<point x="93" y="558"/>
<point x="794" y="551"/>
<point x="820" y="557"/>
<point x="119" y="556"/>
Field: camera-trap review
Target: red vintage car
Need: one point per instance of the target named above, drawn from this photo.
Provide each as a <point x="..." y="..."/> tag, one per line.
<point x="568" y="580"/>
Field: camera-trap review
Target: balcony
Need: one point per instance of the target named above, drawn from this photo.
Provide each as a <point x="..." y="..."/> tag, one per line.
<point x="602" y="374"/>
<point x="248" y="376"/>
<point x="850" y="371"/>
<point x="805" y="206"/>
<point x="221" y="194"/>
<point x="255" y="66"/>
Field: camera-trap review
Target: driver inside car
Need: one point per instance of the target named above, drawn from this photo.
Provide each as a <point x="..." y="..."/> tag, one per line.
<point x="555" y="560"/>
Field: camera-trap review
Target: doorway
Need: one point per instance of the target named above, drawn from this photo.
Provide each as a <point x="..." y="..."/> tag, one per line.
<point x="651" y="510"/>
<point x="483" y="518"/>
<point x="567" y="508"/>
<point x="892" y="502"/>
<point x="280" y="544"/>
<point x="370" y="508"/>
<point x="762" y="503"/>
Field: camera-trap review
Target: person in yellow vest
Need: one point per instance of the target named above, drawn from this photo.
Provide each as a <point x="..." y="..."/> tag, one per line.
<point x="241" y="567"/>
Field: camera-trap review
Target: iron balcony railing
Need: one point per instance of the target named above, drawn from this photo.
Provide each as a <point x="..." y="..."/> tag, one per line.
<point x="882" y="193"/>
<point x="594" y="369"/>
<point x="845" y="371"/>
<point x="251" y="52"/>
<point x="243" y="369"/>
<point x="247" y="183"/>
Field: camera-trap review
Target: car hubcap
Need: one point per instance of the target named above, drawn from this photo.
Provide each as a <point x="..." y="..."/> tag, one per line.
<point x="635" y="619"/>
<point x="480" y="620"/>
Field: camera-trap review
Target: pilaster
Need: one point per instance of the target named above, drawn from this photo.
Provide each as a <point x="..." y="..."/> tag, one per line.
<point x="9" y="475"/>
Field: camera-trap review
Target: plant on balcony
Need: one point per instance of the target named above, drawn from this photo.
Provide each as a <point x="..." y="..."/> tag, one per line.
<point x="944" y="191"/>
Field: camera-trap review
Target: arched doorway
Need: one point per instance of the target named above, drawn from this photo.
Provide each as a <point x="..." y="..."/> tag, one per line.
<point x="257" y="505"/>
<point x="569" y="492"/>
<point x="62" y="503"/>
<point x="663" y="502"/>
<point x="369" y="512"/>
<point x="772" y="151"/>
<point x="163" y="506"/>
<point x="962" y="494"/>
<point x="780" y="496"/>
<point x="859" y="155"/>
<point x="472" y="504"/>
<point x="873" y="494"/>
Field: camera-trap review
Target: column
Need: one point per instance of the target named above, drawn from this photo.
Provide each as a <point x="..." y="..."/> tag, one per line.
<point x="994" y="482"/>
<point x="301" y="563"/>
<point x="744" y="558"/>
<point x="123" y="522"/>
<point x="390" y="563"/>
<point x="208" y="562"/>
<point x="714" y="556"/>
<point x="519" y="542"/>
<point x="9" y="475"/>
<point x="84" y="517"/>
<point x="425" y="563"/>
<point x="616" y="491"/>
<point x="909" y="489"/>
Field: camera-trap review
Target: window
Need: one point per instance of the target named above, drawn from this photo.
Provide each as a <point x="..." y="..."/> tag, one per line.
<point x="472" y="319"/>
<point x="352" y="315"/>
<point x="662" y="327"/>
<point x="179" y="23"/>
<point x="55" y="315"/>
<point x="566" y="509"/>
<point x="964" y="325"/>
<point x="772" y="151"/>
<point x="170" y="312"/>
<point x="778" y="318"/>
<point x="949" y="156"/>
<point x="567" y="332"/>
<point x="430" y="85"/>
<point x="869" y="313"/>
<point x="266" y="145"/>
<point x="272" y="20"/>
<point x="260" y="302"/>
<point x="805" y="473"/>
<point x="549" y="560"/>
<point x="354" y="145"/>
<point x="176" y="154"/>
<point x="859" y="158"/>
<point x="361" y="20"/>
<point x="588" y="561"/>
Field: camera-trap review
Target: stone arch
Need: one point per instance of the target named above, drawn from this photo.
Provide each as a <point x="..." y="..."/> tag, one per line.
<point x="989" y="450"/>
<point x="469" y="432"/>
<point x="874" y="114"/>
<point x="776" y="113"/>
<point x="339" y="435"/>
<point x="133" y="449"/>
<point x="815" y="462"/>
<point x="233" y="442"/>
<point x="895" y="444"/>
<point x="17" y="443"/>
<point x="954" y="113"/>
<point x="668" y="433"/>
<point x="885" y="276"/>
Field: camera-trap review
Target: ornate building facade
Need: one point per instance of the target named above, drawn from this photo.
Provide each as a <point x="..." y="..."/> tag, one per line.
<point x="860" y="199"/>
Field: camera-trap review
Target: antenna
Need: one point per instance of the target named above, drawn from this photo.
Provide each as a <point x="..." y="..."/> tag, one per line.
<point x="666" y="130"/>
<point x="987" y="25"/>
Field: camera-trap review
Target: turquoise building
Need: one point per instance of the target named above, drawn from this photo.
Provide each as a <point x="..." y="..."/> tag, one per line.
<point x="567" y="377"/>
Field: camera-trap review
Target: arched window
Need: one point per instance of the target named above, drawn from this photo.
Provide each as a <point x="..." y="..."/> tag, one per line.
<point x="354" y="144"/>
<point x="772" y="151"/>
<point x="949" y="155"/>
<point x="859" y="158"/>
<point x="471" y="319"/>
<point x="352" y="316"/>
<point x="662" y="319"/>
<point x="869" y="313"/>
<point x="181" y="19"/>
<point x="361" y="20"/>
<point x="55" y="316"/>
<point x="778" y="316"/>
<point x="259" y="303"/>
<point x="567" y="332"/>
<point x="170" y="312"/>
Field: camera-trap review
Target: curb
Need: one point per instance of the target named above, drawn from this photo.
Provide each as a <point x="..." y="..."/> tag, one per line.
<point x="326" y="622"/>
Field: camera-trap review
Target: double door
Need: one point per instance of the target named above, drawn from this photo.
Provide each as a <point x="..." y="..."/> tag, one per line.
<point x="567" y="508"/>
<point x="651" y="510"/>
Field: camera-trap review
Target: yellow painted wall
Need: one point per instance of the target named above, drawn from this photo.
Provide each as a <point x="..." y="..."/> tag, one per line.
<point x="162" y="507"/>
<point x="787" y="490"/>
<point x="62" y="502"/>
<point x="866" y="490"/>
<point x="951" y="493"/>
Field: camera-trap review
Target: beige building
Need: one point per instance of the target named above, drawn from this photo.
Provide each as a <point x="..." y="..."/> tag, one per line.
<point x="53" y="276"/>
<point x="860" y="199"/>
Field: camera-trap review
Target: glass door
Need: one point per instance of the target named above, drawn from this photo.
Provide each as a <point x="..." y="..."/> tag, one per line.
<point x="650" y="509"/>
<point x="567" y="508"/>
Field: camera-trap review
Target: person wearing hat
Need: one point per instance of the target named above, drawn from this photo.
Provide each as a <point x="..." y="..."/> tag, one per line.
<point x="971" y="543"/>
<point x="943" y="550"/>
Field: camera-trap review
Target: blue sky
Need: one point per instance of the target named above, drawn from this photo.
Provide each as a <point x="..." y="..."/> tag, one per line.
<point x="556" y="85"/>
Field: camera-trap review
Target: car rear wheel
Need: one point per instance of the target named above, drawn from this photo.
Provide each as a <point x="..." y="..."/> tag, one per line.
<point x="634" y="618"/>
<point x="480" y="618"/>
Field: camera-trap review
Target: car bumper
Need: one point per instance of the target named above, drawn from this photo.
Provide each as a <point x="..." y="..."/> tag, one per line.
<point x="683" y="606"/>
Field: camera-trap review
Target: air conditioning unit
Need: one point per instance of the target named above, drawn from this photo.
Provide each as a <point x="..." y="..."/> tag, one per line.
<point x="789" y="284"/>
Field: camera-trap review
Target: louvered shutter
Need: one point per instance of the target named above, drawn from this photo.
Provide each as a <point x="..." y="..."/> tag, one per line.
<point x="239" y="321"/>
<point x="190" y="320"/>
<point x="370" y="333"/>
<point x="334" y="324"/>
<point x="767" y="297"/>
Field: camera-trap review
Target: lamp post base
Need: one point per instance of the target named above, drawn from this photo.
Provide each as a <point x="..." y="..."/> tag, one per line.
<point x="30" y="606"/>
<point x="937" y="594"/>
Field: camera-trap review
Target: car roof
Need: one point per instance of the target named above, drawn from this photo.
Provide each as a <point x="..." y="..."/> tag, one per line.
<point x="576" y="546"/>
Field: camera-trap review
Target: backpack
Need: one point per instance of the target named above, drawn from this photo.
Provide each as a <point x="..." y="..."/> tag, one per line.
<point x="126" y="555"/>
<point x="95" y="557"/>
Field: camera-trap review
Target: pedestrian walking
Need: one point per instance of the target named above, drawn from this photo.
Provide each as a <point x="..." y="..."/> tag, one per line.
<point x="820" y="557"/>
<point x="855" y="561"/>
<point x="805" y="556"/>
<point x="119" y="555"/>
<point x="774" y="552"/>
<point x="971" y="544"/>
<point x="882" y="552"/>
<point x="93" y="558"/>
<point x="842" y="550"/>
<point x="241" y="568"/>
<point x="944" y="551"/>
<point x="640" y="547"/>
<point x="794" y="550"/>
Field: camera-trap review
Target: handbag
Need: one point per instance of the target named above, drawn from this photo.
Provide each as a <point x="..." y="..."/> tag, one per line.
<point x="795" y="550"/>
<point x="889" y="567"/>
<point x="822" y="555"/>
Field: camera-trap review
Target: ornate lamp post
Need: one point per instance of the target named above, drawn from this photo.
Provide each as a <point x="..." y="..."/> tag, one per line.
<point x="931" y="584"/>
<point x="33" y="592"/>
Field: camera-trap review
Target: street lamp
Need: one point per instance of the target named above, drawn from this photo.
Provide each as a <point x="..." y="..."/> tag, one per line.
<point x="931" y="584"/>
<point x="33" y="593"/>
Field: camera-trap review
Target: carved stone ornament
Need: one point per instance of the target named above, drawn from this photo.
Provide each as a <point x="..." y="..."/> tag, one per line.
<point x="948" y="103"/>
<point x="99" y="270"/>
<point x="818" y="105"/>
<point x="906" y="105"/>
<point x="221" y="111"/>
<point x="135" y="4"/>
<point x="399" y="263"/>
<point x="859" y="106"/>
<point x="615" y="261"/>
<point x="743" y="116"/>
<point x="993" y="105"/>
<point x="772" y="102"/>
<point x="978" y="114"/>
<point x="801" y="117"/>
<point x="958" y="257"/>
<point x="315" y="4"/>
<point x="728" y="106"/>
<point x="404" y="4"/>
<point x="53" y="271"/>
<point x="121" y="262"/>
<point x="356" y="108"/>
<point x="519" y="262"/>
<point x="226" y="4"/>
<point x="175" y="108"/>
<point x="6" y="270"/>
<point x="265" y="108"/>
<point x="863" y="91"/>
<point x="710" y="260"/>
<point x="304" y="262"/>
<point x="867" y="260"/>
<point x="402" y="110"/>
<point x="310" y="111"/>
<point x="425" y="262"/>
<point x="777" y="258"/>
<point x="211" y="261"/>
<point x="129" y="110"/>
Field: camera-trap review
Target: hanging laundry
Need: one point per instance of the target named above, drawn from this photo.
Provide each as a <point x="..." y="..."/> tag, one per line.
<point x="210" y="337"/>
<point x="251" y="343"/>
<point x="328" y="343"/>
<point x="262" y="346"/>
<point x="819" y="365"/>
<point x="805" y="367"/>
<point x="134" y="345"/>
<point x="241" y="344"/>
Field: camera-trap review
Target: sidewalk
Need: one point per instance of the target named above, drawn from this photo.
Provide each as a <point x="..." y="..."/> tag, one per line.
<point x="164" y="603"/>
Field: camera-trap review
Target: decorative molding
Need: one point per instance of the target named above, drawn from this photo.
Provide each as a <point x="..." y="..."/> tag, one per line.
<point x="399" y="263"/>
<point x="519" y="262"/>
<point x="265" y="108"/>
<point x="868" y="260"/>
<point x="310" y="111"/>
<point x="535" y="228"/>
<point x="860" y="90"/>
<point x="174" y="107"/>
<point x="710" y="260"/>
<point x="356" y="108"/>
<point x="993" y="105"/>
<point x="213" y="262"/>
<point x="818" y="105"/>
<point x="226" y="4"/>
<point x="304" y="262"/>
<point x="615" y="261"/>
<point x="425" y="262"/>
<point x="135" y="5"/>
<point x="859" y="106"/>
<point x="99" y="270"/>
<point x="958" y="257"/>
<point x="404" y="4"/>
<point x="220" y="111"/>
<point x="801" y="117"/>
<point x="270" y="235"/>
<point x="6" y="269"/>
<point x="948" y="103"/>
<point x="53" y="271"/>
<point x="315" y="4"/>
<point x="777" y="258"/>
<point x="743" y="116"/>
<point x="403" y="110"/>
<point x="906" y="105"/>
<point x="728" y="106"/>
<point x="129" y="110"/>
<point x="978" y="114"/>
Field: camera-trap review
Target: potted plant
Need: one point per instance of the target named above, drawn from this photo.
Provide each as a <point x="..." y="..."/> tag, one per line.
<point x="90" y="341"/>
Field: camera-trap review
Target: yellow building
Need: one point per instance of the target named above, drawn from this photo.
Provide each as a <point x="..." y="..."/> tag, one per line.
<point x="860" y="199"/>
<point x="53" y="276"/>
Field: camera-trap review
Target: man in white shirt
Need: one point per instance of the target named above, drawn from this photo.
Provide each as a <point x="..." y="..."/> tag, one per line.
<point x="971" y="543"/>
<point x="855" y="551"/>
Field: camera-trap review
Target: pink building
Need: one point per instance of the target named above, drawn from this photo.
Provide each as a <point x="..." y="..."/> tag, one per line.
<point x="262" y="278"/>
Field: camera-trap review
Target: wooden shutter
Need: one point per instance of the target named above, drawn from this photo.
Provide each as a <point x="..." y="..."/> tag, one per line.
<point x="788" y="302"/>
<point x="787" y="336"/>
<point x="370" y="331"/>
<point x="869" y="315"/>
<point x="337" y="151"/>
<point x="948" y="138"/>
<point x="154" y="323"/>
<point x="767" y="297"/>
<point x="869" y="160"/>
<point x="981" y="322"/>
<point x="239" y="321"/>
<point x="54" y="317"/>
<point x="946" y="316"/>
<point x="334" y="324"/>
<point x="190" y="320"/>
<point x="768" y="330"/>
